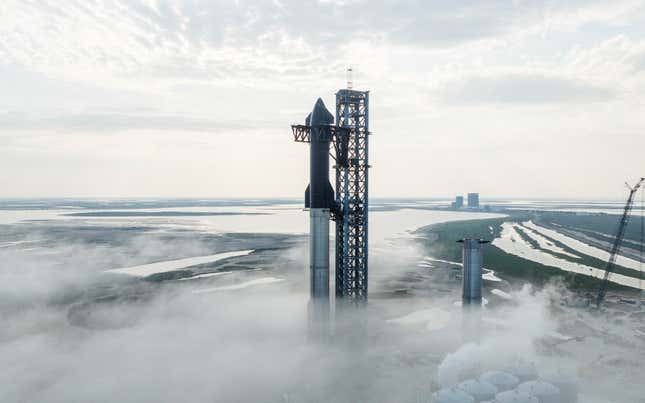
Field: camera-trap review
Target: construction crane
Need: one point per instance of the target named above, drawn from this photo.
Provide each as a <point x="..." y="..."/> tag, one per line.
<point x="622" y="226"/>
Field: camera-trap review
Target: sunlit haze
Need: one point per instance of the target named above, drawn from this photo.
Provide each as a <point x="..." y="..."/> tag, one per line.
<point x="338" y="201"/>
<point x="196" y="98"/>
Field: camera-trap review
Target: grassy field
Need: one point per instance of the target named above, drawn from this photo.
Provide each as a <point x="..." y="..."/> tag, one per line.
<point x="603" y="223"/>
<point x="583" y="259"/>
<point x="443" y="245"/>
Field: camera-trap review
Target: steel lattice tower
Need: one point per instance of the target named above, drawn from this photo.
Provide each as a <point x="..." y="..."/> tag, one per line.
<point x="352" y="112"/>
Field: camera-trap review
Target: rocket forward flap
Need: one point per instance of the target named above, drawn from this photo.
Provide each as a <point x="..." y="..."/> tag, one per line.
<point x="307" y="197"/>
<point x="329" y="195"/>
<point x="328" y="200"/>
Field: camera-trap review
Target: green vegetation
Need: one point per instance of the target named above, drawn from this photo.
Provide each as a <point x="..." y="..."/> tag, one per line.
<point x="442" y="244"/>
<point x="530" y="240"/>
<point x="169" y="275"/>
<point x="604" y="223"/>
<point x="583" y="259"/>
<point x="445" y="245"/>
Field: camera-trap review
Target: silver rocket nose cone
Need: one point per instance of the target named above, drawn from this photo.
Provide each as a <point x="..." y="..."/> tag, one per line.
<point x="320" y="115"/>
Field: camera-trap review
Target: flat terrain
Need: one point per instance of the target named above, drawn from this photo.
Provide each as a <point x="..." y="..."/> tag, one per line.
<point x="157" y="305"/>
<point x="543" y="246"/>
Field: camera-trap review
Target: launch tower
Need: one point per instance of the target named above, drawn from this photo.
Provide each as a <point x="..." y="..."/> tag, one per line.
<point x="352" y="112"/>
<point x="349" y="207"/>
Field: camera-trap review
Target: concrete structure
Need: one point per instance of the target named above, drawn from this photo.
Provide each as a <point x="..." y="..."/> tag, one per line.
<point x="458" y="203"/>
<point x="473" y="200"/>
<point x="472" y="271"/>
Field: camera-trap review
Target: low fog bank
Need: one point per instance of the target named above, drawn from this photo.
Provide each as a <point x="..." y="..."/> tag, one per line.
<point x="58" y="261"/>
<point x="71" y="334"/>
<point x="72" y="331"/>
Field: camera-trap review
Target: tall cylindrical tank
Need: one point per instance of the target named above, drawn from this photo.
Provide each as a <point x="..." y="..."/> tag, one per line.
<point x="515" y="396"/>
<point x="480" y="390"/>
<point x="319" y="198"/>
<point x="523" y="370"/>
<point x="319" y="253"/>
<point x="319" y="308"/>
<point x="472" y="271"/>
<point x="502" y="380"/>
<point x="544" y="391"/>
<point x="452" y="395"/>
<point x="568" y="385"/>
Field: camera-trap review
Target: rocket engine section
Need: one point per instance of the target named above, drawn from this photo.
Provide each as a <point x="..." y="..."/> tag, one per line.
<point x="472" y="275"/>
<point x="348" y="211"/>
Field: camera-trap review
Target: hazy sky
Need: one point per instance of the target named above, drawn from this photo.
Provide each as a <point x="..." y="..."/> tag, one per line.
<point x="195" y="98"/>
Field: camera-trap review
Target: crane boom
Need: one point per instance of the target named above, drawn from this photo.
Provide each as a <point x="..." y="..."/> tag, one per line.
<point x="622" y="226"/>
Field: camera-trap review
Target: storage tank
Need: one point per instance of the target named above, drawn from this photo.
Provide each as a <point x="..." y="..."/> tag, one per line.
<point x="501" y="380"/>
<point x="481" y="391"/>
<point x="472" y="266"/>
<point x="459" y="366"/>
<point x="452" y="395"/>
<point x="523" y="370"/>
<point x="544" y="391"/>
<point x="568" y="385"/>
<point x="515" y="396"/>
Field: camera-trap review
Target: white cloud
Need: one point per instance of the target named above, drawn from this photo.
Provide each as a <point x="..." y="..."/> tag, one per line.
<point x="519" y="89"/>
<point x="444" y="70"/>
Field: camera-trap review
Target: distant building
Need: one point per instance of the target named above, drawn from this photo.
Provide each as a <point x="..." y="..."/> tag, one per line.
<point x="473" y="200"/>
<point x="459" y="202"/>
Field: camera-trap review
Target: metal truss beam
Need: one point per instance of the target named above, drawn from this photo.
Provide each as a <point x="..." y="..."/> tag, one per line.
<point x="339" y="137"/>
<point x="352" y="112"/>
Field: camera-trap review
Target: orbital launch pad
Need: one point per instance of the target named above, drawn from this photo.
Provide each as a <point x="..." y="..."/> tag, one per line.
<point x="472" y="270"/>
<point x="348" y="205"/>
